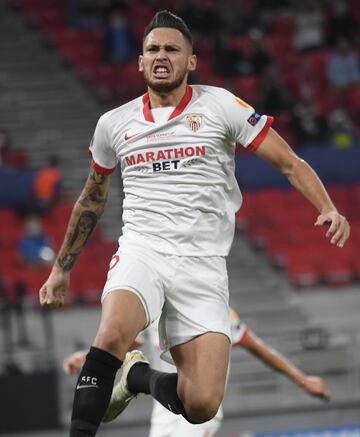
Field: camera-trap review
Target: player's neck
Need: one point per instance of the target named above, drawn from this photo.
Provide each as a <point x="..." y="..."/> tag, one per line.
<point x="163" y="100"/>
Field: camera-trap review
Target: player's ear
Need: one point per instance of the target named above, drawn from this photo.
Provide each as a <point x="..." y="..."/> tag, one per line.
<point x="140" y="62"/>
<point x="192" y="62"/>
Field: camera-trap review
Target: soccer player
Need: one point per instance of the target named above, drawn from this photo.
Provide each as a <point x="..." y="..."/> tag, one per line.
<point x="166" y="424"/>
<point x="176" y="147"/>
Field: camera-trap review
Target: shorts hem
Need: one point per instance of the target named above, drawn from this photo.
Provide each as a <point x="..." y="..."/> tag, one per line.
<point x="132" y="290"/>
<point x="165" y="354"/>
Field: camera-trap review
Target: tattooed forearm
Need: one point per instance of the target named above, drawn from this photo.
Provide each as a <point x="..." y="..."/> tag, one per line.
<point x="84" y="227"/>
<point x="85" y="216"/>
<point x="67" y="262"/>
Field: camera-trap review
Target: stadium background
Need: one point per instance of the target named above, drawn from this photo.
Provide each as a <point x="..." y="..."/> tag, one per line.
<point x="63" y="63"/>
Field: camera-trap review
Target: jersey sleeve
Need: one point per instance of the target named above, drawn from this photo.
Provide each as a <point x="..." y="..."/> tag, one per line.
<point x="103" y="155"/>
<point x="238" y="328"/>
<point x="244" y="125"/>
<point x="238" y="333"/>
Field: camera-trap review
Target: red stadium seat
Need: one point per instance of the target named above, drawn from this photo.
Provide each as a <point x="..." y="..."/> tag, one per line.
<point x="302" y="267"/>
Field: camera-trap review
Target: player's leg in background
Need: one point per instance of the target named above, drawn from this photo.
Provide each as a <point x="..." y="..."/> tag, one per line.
<point x="206" y="429"/>
<point x="202" y="365"/>
<point x="122" y="318"/>
<point x="166" y="424"/>
<point x="163" y="422"/>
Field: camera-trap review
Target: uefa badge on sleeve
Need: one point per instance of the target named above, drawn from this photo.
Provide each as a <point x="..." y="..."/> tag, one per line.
<point x="254" y="118"/>
<point x="194" y="121"/>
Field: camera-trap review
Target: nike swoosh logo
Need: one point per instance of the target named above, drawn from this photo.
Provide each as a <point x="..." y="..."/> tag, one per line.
<point x="128" y="137"/>
<point x="78" y="387"/>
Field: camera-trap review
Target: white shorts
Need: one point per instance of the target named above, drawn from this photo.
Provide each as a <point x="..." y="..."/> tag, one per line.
<point x="190" y="293"/>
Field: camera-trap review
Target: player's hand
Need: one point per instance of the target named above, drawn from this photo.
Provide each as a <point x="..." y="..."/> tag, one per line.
<point x="316" y="387"/>
<point x="339" y="229"/>
<point x="74" y="362"/>
<point x="52" y="293"/>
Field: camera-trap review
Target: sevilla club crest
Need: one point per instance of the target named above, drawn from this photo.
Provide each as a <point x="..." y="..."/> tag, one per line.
<point x="194" y="121"/>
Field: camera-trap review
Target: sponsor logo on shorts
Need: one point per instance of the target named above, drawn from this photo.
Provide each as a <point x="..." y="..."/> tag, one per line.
<point x="254" y="118"/>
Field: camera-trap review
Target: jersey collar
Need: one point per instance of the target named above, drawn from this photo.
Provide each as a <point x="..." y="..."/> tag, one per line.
<point x="177" y="111"/>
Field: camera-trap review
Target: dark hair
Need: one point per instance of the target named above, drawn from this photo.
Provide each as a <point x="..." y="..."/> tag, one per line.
<point x="166" y="18"/>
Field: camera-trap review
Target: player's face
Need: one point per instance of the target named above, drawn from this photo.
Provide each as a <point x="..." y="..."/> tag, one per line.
<point x="166" y="59"/>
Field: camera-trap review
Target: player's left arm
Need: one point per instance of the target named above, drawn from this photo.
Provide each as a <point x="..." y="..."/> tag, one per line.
<point x="279" y="154"/>
<point x="312" y="385"/>
<point x="73" y="363"/>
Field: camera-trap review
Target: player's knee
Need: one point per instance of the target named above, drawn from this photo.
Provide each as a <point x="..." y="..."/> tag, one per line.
<point x="202" y="407"/>
<point x="113" y="340"/>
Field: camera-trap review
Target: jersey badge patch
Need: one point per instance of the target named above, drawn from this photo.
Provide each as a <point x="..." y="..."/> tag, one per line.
<point x="194" y="121"/>
<point x="254" y="118"/>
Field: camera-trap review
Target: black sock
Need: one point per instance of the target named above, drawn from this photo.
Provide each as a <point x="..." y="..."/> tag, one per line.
<point x="93" y="392"/>
<point x="162" y="386"/>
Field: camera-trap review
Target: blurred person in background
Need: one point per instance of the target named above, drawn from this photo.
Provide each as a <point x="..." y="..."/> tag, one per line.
<point x="308" y="124"/>
<point x="309" y="22"/>
<point x="343" y="68"/>
<point x="118" y="42"/>
<point x="166" y="424"/>
<point x="47" y="186"/>
<point x="10" y="157"/>
<point x="179" y="215"/>
<point x="257" y="57"/>
<point x="342" y="129"/>
<point x="273" y="96"/>
<point x="35" y="248"/>
<point x="84" y="14"/>
<point x="342" y="24"/>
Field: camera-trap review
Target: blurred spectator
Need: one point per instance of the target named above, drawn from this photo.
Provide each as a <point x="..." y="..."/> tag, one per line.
<point x="257" y="59"/>
<point x="342" y="128"/>
<point x="84" y="14"/>
<point x="225" y="58"/>
<point x="118" y="40"/>
<point x="47" y="186"/>
<point x="9" y="157"/>
<point x="235" y="18"/>
<point x="6" y="329"/>
<point x="309" y="25"/>
<point x="343" y="67"/>
<point x="19" y="309"/>
<point x="273" y="97"/>
<point x="34" y="248"/>
<point x="200" y="16"/>
<point x="308" y="124"/>
<point x="341" y="23"/>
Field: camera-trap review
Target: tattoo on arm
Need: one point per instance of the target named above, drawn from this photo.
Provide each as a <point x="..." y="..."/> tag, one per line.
<point x="86" y="214"/>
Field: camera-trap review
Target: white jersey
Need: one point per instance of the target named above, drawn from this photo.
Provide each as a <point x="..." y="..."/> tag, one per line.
<point x="181" y="194"/>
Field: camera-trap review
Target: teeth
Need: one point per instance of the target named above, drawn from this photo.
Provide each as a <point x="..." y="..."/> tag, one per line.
<point x="161" y="70"/>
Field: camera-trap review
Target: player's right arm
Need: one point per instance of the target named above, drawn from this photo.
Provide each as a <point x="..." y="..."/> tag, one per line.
<point x="83" y="220"/>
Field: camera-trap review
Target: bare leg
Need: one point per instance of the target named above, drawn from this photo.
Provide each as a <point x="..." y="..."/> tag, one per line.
<point x="122" y="318"/>
<point x="202" y="365"/>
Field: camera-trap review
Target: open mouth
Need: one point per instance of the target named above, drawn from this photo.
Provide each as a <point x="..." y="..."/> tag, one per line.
<point x="161" y="71"/>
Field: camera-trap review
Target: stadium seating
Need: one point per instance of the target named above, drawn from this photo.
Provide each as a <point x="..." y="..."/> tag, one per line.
<point x="277" y="221"/>
<point x="280" y="222"/>
<point x="84" y="53"/>
<point x="87" y="278"/>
